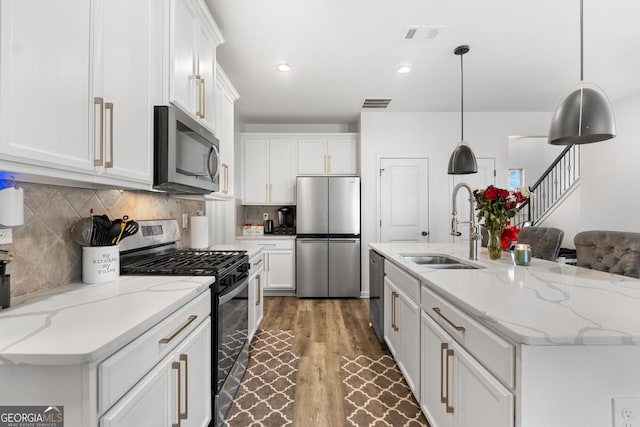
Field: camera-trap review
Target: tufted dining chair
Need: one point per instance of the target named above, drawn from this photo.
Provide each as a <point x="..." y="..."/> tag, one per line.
<point x="544" y="241"/>
<point x="615" y="252"/>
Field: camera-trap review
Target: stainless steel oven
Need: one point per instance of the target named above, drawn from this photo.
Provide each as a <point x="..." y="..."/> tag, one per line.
<point x="186" y="154"/>
<point x="231" y="313"/>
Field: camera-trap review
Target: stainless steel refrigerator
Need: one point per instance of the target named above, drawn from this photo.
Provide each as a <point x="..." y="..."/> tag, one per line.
<point x="328" y="236"/>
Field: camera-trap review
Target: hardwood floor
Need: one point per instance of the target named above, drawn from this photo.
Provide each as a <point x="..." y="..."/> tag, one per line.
<point x="325" y="329"/>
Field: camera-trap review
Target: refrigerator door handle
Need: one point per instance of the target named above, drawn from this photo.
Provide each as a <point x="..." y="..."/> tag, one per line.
<point x="344" y="240"/>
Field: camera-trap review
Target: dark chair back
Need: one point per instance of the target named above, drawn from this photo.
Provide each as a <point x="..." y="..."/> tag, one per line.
<point x="615" y="252"/>
<point x="545" y="242"/>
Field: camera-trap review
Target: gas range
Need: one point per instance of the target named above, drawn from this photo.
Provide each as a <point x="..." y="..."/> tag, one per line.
<point x="153" y="251"/>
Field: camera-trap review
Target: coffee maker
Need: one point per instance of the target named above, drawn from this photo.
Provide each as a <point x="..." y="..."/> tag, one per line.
<point x="286" y="221"/>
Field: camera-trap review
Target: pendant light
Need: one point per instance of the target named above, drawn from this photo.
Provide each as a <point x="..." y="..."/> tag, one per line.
<point x="585" y="115"/>
<point x="462" y="160"/>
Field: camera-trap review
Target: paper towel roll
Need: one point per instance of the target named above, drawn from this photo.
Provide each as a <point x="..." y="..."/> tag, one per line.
<point x="199" y="232"/>
<point x="11" y="207"/>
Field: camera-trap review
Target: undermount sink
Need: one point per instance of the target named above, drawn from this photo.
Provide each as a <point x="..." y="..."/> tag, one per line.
<point x="439" y="261"/>
<point x="431" y="259"/>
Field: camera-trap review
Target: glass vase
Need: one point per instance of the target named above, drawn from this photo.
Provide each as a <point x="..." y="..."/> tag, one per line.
<point x="493" y="246"/>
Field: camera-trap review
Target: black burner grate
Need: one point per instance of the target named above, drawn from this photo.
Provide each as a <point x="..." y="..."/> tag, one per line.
<point x="187" y="263"/>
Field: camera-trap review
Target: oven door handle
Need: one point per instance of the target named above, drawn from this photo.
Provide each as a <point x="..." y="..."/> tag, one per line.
<point x="224" y="298"/>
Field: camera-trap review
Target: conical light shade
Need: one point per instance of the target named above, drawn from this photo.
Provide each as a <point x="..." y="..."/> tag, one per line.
<point x="462" y="160"/>
<point x="583" y="117"/>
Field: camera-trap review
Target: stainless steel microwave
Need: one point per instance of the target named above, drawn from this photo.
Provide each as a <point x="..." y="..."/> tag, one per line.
<point x="186" y="154"/>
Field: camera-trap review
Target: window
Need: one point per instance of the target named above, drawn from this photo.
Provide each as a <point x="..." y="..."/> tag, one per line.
<point x="515" y="178"/>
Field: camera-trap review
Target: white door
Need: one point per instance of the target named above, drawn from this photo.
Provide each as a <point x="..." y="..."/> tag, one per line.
<point x="124" y="79"/>
<point x="312" y="158"/>
<point x="342" y="156"/>
<point x="477" y="395"/>
<point x="206" y="70"/>
<point x="409" y="329"/>
<point x="183" y="42"/>
<point x="404" y="199"/>
<point x="434" y="372"/>
<point x="486" y="176"/>
<point x="46" y="106"/>
<point x="256" y="171"/>
<point x="281" y="173"/>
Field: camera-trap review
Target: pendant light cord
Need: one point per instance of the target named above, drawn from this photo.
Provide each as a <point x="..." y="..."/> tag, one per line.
<point x="462" y="99"/>
<point x="581" y="42"/>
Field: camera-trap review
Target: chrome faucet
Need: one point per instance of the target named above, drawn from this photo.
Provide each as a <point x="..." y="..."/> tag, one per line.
<point x="473" y="229"/>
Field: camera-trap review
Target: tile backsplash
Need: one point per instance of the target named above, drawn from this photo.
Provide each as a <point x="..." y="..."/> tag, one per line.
<point x="44" y="254"/>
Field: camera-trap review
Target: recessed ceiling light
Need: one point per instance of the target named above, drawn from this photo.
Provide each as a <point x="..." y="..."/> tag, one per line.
<point x="404" y="69"/>
<point x="284" y="67"/>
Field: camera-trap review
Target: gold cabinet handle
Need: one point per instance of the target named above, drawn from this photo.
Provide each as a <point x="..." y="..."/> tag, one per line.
<point x="266" y="193"/>
<point x="453" y="325"/>
<point x="258" y="293"/>
<point x="328" y="163"/>
<point x="99" y="161"/>
<point x="394" y="311"/>
<point x="181" y="328"/>
<point x="199" y="101"/>
<point x="325" y="163"/>
<point x="184" y="415"/>
<point x="225" y="168"/>
<point x="447" y="403"/>
<point x="109" y="106"/>
<point x="270" y="188"/>
<point x="202" y="99"/>
<point x="176" y="366"/>
<point x="443" y="351"/>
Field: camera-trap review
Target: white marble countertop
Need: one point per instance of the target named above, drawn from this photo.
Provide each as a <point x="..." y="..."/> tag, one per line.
<point x="82" y="323"/>
<point x="543" y="304"/>
<point x="268" y="237"/>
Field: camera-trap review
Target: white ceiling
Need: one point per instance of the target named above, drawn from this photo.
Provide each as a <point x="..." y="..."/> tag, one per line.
<point x="524" y="54"/>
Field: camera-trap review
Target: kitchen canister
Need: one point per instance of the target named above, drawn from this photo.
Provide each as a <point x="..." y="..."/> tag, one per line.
<point x="100" y="263"/>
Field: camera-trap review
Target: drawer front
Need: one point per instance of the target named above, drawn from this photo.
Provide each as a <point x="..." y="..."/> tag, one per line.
<point x="257" y="264"/>
<point x="406" y="282"/>
<point x="270" y="244"/>
<point x="494" y="352"/>
<point x="118" y="373"/>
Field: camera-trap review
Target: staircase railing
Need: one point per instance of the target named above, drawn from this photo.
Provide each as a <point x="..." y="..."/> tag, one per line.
<point x="552" y="185"/>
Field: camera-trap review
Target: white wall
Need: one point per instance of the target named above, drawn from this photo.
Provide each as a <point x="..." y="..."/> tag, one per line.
<point x="533" y="154"/>
<point x="610" y="174"/>
<point x="433" y="135"/>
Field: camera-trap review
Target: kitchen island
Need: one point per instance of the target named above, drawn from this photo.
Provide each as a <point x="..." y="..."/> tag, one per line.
<point x="575" y="335"/>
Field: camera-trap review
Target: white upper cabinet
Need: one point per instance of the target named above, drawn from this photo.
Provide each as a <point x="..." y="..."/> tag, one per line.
<point x="194" y="37"/>
<point x="127" y="83"/>
<point x="328" y="155"/>
<point x="45" y="93"/>
<point x="78" y="81"/>
<point x="225" y="96"/>
<point x="268" y="172"/>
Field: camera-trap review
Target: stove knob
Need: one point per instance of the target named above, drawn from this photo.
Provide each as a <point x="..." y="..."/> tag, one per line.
<point x="243" y="268"/>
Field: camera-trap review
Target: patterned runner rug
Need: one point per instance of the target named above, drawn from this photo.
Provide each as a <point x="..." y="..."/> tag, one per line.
<point x="265" y="396"/>
<point x="376" y="394"/>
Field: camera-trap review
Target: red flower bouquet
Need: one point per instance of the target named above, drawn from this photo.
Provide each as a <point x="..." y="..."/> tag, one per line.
<point x="496" y="206"/>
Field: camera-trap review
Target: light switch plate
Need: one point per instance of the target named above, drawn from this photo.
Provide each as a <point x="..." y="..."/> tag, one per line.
<point x="185" y="220"/>
<point x="265" y="216"/>
<point x="626" y="411"/>
<point x="6" y="236"/>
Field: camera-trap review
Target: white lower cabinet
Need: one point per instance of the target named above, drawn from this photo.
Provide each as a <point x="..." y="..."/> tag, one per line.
<point x="172" y="393"/>
<point x="256" y="300"/>
<point x="150" y="403"/>
<point x="455" y="389"/>
<point x="279" y="263"/>
<point x="402" y="329"/>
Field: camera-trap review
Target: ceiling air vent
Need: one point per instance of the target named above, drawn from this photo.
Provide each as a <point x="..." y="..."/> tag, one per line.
<point x="421" y="33"/>
<point x="376" y="103"/>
